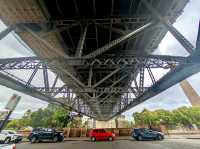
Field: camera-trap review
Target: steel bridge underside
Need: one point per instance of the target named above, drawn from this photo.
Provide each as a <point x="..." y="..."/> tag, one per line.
<point x="95" y="58"/>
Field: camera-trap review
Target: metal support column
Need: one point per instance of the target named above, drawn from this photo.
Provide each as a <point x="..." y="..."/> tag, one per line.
<point x="5" y="32"/>
<point x="81" y="42"/>
<point x="141" y="81"/>
<point x="151" y="75"/>
<point x="45" y="77"/>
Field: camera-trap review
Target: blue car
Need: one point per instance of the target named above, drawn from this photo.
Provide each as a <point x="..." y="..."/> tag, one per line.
<point x="146" y="134"/>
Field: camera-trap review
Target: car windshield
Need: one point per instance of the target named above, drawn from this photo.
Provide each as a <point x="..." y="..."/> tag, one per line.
<point x="49" y="130"/>
<point x="11" y="132"/>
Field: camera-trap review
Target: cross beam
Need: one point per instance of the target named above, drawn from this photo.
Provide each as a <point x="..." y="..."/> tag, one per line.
<point x="22" y="87"/>
<point x="151" y="61"/>
<point x="116" y="42"/>
<point x="170" y="79"/>
<point x="5" y="32"/>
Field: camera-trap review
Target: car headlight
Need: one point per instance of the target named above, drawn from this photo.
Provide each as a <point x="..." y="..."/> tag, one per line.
<point x="61" y="134"/>
<point x="15" y="136"/>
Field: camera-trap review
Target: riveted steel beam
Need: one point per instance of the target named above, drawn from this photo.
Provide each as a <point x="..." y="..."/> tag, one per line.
<point x="5" y="32"/>
<point x="54" y="83"/>
<point x="150" y="61"/>
<point x="45" y="77"/>
<point x="116" y="42"/>
<point x="32" y="75"/>
<point x="81" y="42"/>
<point x="21" y="87"/>
<point x="182" y="40"/>
<point x="151" y="75"/>
<point x="90" y="76"/>
<point x="106" y="77"/>
<point x="174" y="76"/>
<point x="128" y="19"/>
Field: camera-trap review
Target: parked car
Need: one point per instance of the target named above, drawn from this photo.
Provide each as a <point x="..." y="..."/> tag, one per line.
<point x="8" y="146"/>
<point x="7" y="136"/>
<point x="45" y="134"/>
<point x="146" y="134"/>
<point x="101" y="134"/>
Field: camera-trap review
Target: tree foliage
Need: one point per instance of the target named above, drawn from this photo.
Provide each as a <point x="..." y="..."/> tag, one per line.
<point x="52" y="116"/>
<point x="185" y="116"/>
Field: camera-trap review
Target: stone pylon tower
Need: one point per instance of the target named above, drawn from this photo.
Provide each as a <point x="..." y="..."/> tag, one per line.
<point x="191" y="94"/>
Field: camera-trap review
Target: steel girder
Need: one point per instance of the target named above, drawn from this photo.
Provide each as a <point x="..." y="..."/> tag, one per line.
<point x="67" y="96"/>
<point x="150" y="61"/>
<point x="170" y="79"/>
<point x="21" y="86"/>
<point x="81" y="42"/>
<point x="133" y="19"/>
<point x="6" y="31"/>
<point x="117" y="41"/>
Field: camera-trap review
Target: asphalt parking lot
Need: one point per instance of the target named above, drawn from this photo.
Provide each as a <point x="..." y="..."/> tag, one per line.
<point x="117" y="144"/>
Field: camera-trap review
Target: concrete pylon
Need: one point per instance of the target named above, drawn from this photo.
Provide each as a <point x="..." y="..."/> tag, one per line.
<point x="191" y="94"/>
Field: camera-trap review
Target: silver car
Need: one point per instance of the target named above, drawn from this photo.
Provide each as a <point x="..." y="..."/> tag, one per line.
<point x="7" y="146"/>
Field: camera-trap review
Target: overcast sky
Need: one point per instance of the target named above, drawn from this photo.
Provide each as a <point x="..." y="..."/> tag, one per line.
<point x="172" y="98"/>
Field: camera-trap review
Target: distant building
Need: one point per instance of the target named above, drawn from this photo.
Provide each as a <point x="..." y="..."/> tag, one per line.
<point x="122" y="122"/>
<point x="106" y="124"/>
<point x="118" y="122"/>
<point x="90" y="123"/>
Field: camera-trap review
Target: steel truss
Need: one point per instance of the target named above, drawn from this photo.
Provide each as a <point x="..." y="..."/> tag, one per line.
<point x="147" y="61"/>
<point x="98" y="21"/>
<point x="177" y="74"/>
<point x="91" y="98"/>
<point x="67" y="96"/>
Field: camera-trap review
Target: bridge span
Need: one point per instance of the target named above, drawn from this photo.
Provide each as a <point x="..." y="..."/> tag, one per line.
<point x="100" y="51"/>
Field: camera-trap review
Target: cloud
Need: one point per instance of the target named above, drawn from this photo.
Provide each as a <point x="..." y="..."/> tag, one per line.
<point x="26" y="102"/>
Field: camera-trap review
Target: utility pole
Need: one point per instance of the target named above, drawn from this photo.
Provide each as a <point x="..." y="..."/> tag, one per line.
<point x="11" y="105"/>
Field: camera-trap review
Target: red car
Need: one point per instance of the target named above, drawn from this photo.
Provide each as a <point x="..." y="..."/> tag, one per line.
<point x="101" y="134"/>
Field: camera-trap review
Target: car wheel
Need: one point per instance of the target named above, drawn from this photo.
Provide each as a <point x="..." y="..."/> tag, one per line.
<point x="55" y="139"/>
<point x="110" y="139"/>
<point x="139" y="138"/>
<point x="159" y="137"/>
<point x="7" y="140"/>
<point x="61" y="139"/>
<point x="34" y="140"/>
<point x="93" y="139"/>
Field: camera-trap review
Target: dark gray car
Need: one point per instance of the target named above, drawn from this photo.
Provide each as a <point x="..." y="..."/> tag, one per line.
<point x="45" y="134"/>
<point x="146" y="134"/>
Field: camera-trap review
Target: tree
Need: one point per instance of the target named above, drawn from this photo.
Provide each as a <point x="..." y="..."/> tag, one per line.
<point x="52" y="116"/>
<point x="14" y="124"/>
<point x="61" y="118"/>
<point x="185" y="116"/>
<point x="76" y="123"/>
